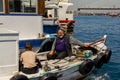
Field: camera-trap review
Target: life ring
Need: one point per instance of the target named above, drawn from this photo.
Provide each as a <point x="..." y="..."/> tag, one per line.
<point x="46" y="45"/>
<point x="49" y="76"/>
<point x="108" y="55"/>
<point x="100" y="60"/>
<point x="86" y="67"/>
<point x="19" y="77"/>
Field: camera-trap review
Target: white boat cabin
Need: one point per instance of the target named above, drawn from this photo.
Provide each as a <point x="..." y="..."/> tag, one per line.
<point x="8" y="52"/>
<point x="23" y="16"/>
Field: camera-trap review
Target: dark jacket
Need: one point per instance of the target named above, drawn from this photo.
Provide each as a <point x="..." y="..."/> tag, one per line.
<point x="68" y="41"/>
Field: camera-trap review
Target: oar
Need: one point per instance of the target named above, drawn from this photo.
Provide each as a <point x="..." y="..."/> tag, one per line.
<point x="102" y="39"/>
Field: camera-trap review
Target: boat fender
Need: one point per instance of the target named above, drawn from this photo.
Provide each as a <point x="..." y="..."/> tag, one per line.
<point x="86" y="67"/>
<point x="19" y="77"/>
<point x="46" y="45"/>
<point x="108" y="55"/>
<point x="49" y="76"/>
<point x="100" y="60"/>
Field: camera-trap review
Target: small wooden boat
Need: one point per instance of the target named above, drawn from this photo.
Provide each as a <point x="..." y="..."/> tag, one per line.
<point x="75" y="67"/>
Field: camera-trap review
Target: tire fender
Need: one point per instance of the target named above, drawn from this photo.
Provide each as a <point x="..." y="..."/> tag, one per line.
<point x="101" y="58"/>
<point x="108" y="54"/>
<point x="86" y="67"/>
<point x="19" y="77"/>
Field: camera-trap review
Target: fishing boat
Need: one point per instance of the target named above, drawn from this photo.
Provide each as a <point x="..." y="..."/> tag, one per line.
<point x="76" y="67"/>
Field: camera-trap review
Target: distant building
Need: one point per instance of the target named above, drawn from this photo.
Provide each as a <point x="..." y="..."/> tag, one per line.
<point x="95" y="4"/>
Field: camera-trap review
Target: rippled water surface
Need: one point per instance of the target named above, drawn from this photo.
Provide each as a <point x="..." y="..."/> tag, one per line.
<point x="91" y="28"/>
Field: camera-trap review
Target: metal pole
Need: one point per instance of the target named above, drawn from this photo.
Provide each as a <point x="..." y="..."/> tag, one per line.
<point x="30" y="3"/>
<point x="6" y="7"/>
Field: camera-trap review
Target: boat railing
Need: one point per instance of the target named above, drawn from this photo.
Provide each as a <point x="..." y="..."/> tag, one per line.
<point x="42" y="55"/>
<point x="54" y="18"/>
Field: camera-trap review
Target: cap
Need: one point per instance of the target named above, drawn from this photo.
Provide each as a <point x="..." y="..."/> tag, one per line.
<point x="63" y="29"/>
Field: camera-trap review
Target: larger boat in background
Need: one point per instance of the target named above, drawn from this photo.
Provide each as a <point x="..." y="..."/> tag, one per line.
<point x="57" y="12"/>
<point x="25" y="17"/>
<point x="65" y="13"/>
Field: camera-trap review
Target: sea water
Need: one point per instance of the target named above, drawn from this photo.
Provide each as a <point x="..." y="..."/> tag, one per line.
<point x="91" y="28"/>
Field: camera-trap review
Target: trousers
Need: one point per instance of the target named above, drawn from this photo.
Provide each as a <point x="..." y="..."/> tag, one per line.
<point x="57" y="55"/>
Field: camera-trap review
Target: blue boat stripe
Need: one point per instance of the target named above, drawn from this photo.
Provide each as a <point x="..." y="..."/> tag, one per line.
<point x="35" y="43"/>
<point x="1" y="14"/>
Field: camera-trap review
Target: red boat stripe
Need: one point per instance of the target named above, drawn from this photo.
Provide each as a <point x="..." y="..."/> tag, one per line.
<point x="66" y="21"/>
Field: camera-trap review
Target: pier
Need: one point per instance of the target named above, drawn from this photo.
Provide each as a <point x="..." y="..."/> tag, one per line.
<point x="98" y="11"/>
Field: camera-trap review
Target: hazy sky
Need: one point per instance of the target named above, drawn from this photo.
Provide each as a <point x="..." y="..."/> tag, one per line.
<point x="96" y="3"/>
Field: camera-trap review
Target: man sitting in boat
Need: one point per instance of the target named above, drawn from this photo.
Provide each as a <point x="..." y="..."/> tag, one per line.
<point x="29" y="62"/>
<point x="61" y="47"/>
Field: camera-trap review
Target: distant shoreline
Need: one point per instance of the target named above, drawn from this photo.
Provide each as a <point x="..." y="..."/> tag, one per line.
<point x="96" y="14"/>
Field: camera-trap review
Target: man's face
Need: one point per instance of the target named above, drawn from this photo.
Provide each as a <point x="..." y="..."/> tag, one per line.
<point x="60" y="33"/>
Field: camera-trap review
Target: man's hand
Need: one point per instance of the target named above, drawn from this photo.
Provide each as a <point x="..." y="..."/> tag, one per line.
<point x="51" y="53"/>
<point x="86" y="44"/>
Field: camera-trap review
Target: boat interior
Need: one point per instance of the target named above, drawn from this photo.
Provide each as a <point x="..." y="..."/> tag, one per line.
<point x="79" y="54"/>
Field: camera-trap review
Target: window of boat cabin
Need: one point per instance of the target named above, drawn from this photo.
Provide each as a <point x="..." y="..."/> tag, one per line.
<point x="50" y="11"/>
<point x="22" y="6"/>
<point x="69" y="12"/>
<point x="1" y="6"/>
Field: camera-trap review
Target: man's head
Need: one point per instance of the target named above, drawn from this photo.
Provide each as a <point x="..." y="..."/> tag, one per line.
<point x="28" y="46"/>
<point x="61" y="32"/>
